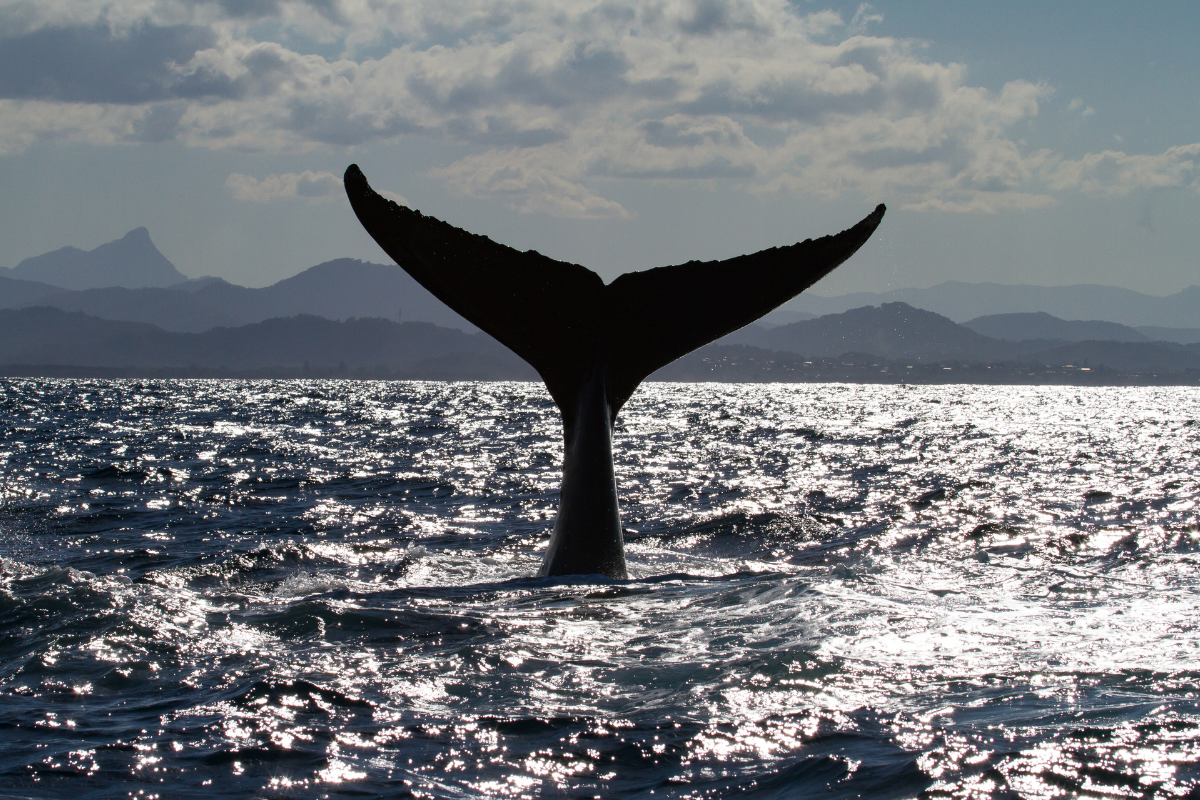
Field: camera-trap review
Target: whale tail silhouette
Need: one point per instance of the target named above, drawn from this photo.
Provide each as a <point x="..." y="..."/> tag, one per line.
<point x="592" y="343"/>
<point x="557" y="315"/>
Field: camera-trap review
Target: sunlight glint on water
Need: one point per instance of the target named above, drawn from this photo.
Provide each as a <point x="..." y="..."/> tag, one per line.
<point x="309" y="588"/>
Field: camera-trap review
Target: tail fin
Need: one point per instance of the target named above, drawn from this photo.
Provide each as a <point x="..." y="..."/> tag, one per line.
<point x="660" y="314"/>
<point x="558" y="316"/>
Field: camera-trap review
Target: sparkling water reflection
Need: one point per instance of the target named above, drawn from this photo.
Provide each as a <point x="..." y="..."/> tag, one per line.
<point x="305" y="589"/>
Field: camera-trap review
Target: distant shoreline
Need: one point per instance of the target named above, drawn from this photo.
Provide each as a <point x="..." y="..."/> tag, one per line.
<point x="714" y="364"/>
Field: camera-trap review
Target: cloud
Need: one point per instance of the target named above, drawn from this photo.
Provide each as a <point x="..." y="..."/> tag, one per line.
<point x="864" y="16"/>
<point x="315" y="186"/>
<point x="1084" y="110"/>
<point x="395" y="198"/>
<point x="26" y="123"/>
<point x="527" y="186"/>
<point x="94" y="64"/>
<point x="551" y="100"/>
<point x="990" y="203"/>
<point x="711" y="17"/>
<point x="1116" y="174"/>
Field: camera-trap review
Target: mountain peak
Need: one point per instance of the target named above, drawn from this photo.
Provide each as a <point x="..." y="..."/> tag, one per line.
<point x="131" y="261"/>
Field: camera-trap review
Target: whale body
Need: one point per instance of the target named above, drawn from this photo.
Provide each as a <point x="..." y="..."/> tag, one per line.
<point x="592" y="343"/>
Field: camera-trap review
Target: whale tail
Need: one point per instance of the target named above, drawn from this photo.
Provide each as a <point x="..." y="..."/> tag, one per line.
<point x="591" y="343"/>
<point x="562" y="317"/>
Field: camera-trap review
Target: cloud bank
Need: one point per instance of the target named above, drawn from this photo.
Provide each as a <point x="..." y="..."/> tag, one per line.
<point x="308" y="184"/>
<point x="556" y="99"/>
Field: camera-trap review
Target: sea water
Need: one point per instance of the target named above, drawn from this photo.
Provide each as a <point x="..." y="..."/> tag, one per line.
<point x="228" y="589"/>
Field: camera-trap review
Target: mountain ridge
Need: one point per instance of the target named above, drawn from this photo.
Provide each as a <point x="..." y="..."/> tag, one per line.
<point x="909" y="345"/>
<point x="345" y="288"/>
<point x="1040" y="325"/>
<point x="961" y="301"/>
<point x="338" y="289"/>
<point x="51" y="336"/>
<point x="131" y="261"/>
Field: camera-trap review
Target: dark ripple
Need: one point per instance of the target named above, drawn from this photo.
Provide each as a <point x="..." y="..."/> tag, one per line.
<point x="317" y="588"/>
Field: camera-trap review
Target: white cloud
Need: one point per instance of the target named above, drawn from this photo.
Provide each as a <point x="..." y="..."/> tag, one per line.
<point x="395" y="198"/>
<point x="24" y="123"/>
<point x="527" y="185"/>
<point x="554" y="99"/>
<point x="1084" y="110"/>
<point x="1115" y="174"/>
<point x="316" y="186"/>
<point x="864" y="16"/>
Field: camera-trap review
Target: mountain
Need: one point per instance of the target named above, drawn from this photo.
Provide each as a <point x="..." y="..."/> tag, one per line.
<point x="130" y="280"/>
<point x="893" y="330"/>
<point x="964" y="301"/>
<point x="50" y="336"/>
<point x="15" y="292"/>
<point x="892" y="344"/>
<point x="1128" y="357"/>
<point x="1160" y="334"/>
<point x="1040" y="325"/>
<point x="131" y="261"/>
<point x="337" y="290"/>
<point x="899" y="332"/>
<point x="170" y="309"/>
<point x="783" y="316"/>
<point x="196" y="284"/>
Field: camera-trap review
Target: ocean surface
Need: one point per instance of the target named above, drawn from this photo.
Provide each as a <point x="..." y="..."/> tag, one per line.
<point x="230" y="589"/>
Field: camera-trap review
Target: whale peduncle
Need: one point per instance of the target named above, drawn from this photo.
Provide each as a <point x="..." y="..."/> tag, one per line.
<point x="587" y="535"/>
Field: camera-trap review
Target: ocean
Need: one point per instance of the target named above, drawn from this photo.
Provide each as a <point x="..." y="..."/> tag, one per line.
<point x="230" y="589"/>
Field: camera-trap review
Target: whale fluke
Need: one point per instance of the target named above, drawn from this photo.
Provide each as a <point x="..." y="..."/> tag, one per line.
<point x="592" y="343"/>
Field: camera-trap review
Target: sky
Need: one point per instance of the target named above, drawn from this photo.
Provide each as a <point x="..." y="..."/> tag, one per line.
<point x="1017" y="142"/>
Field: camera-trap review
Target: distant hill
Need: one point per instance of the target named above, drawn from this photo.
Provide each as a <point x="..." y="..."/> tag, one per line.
<point x="196" y="284"/>
<point x="337" y="290"/>
<point x="964" y="301"/>
<point x="170" y="309"/>
<point x="899" y="332"/>
<point x="50" y="336"/>
<point x="893" y="330"/>
<point x="1127" y="357"/>
<point x="782" y="316"/>
<point x="130" y="280"/>
<point x="15" y="292"/>
<point x="1158" y="333"/>
<point x="895" y="343"/>
<point x="1040" y="325"/>
<point x="131" y="261"/>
